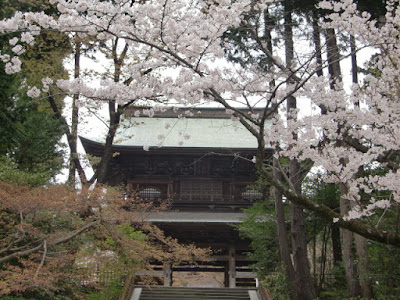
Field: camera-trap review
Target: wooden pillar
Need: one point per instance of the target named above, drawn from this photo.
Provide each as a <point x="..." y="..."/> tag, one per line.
<point x="226" y="275"/>
<point x="232" y="192"/>
<point x="167" y="274"/>
<point x="232" y="266"/>
<point x="170" y="189"/>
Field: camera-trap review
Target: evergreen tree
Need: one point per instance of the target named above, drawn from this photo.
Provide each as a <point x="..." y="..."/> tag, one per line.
<point x="29" y="132"/>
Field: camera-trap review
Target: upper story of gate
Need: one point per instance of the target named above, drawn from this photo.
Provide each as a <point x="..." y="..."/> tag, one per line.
<point x="198" y="158"/>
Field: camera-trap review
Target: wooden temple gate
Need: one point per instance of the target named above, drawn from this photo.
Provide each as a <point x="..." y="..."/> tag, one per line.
<point x="207" y="179"/>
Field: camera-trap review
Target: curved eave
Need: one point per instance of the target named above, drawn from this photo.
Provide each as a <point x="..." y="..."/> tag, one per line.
<point x="194" y="217"/>
<point x="97" y="148"/>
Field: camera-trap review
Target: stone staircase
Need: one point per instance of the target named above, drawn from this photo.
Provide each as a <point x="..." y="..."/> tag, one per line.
<point x="175" y="293"/>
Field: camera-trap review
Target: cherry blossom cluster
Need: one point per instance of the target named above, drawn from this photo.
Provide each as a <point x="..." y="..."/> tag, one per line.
<point x="161" y="35"/>
<point x="359" y="133"/>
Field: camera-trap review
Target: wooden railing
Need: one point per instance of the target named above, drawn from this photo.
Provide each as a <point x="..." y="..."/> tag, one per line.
<point x="93" y="276"/>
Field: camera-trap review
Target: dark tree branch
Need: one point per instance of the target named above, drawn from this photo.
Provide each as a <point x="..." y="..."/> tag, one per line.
<point x="356" y="226"/>
<point x="49" y="243"/>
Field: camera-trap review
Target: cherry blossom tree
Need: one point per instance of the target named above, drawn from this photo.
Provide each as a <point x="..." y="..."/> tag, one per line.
<point x="176" y="54"/>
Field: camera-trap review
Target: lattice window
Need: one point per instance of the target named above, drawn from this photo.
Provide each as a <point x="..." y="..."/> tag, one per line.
<point x="150" y="193"/>
<point x="201" y="190"/>
<point x="252" y="195"/>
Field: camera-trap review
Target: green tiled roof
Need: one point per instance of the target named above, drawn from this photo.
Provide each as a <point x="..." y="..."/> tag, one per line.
<point x="184" y="132"/>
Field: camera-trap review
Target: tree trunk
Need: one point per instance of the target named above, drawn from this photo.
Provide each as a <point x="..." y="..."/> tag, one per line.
<point x="335" y="230"/>
<point x="333" y="57"/>
<point x="115" y="117"/>
<point x="360" y="242"/>
<point x="268" y="26"/>
<point x="354" y="66"/>
<point x="317" y="42"/>
<point x="348" y="254"/>
<point x="323" y="257"/>
<point x="115" y="112"/>
<point x="318" y="51"/>
<point x="60" y="117"/>
<point x="303" y="282"/>
<point x="362" y="266"/>
<point x="74" y="116"/>
<point x="74" y="163"/>
<point x="283" y="241"/>
<point x="283" y="237"/>
<point x="336" y="245"/>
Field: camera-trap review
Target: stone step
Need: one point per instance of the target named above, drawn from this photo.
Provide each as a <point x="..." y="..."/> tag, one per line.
<point x="187" y="293"/>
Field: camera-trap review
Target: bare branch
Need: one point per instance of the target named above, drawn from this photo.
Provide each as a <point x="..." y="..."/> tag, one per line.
<point x="43" y="259"/>
<point x="50" y="243"/>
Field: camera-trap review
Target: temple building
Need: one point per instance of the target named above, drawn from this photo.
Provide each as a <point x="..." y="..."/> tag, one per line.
<point x="202" y="162"/>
